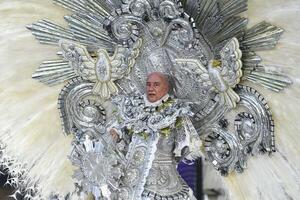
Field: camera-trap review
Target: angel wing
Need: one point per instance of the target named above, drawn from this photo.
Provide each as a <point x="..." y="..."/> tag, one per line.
<point x="79" y="59"/>
<point x="221" y="78"/>
<point x="103" y="69"/>
<point x="226" y="76"/>
<point x="99" y="68"/>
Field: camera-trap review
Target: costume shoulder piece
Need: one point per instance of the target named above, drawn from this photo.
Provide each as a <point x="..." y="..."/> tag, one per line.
<point x="110" y="46"/>
<point x="139" y="115"/>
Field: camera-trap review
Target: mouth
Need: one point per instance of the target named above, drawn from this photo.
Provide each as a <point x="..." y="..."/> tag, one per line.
<point x="151" y="95"/>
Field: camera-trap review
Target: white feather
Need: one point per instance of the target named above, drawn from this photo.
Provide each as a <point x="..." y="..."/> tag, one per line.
<point x="30" y="125"/>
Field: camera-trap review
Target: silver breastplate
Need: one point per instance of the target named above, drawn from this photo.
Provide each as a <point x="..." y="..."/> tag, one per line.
<point x="163" y="181"/>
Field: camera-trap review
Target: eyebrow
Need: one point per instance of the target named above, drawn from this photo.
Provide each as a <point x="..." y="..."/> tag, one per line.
<point x="153" y="82"/>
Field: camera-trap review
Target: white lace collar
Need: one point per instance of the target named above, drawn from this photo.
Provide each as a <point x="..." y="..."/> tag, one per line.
<point x="156" y="103"/>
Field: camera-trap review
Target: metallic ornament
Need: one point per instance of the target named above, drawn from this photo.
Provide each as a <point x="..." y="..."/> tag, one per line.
<point x="109" y="48"/>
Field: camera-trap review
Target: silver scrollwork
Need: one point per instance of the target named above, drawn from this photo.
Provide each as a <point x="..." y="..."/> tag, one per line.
<point x="116" y="44"/>
<point x="79" y="108"/>
<point x="255" y="126"/>
<point x="222" y="149"/>
<point x="125" y="29"/>
<point x="140" y="8"/>
<point x="168" y="9"/>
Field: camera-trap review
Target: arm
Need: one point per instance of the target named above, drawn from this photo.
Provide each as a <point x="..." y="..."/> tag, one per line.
<point x="118" y="134"/>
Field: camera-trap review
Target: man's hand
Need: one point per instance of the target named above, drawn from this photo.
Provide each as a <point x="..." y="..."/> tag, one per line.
<point x="114" y="134"/>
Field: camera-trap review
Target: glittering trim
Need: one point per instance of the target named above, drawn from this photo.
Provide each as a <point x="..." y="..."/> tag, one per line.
<point x="183" y="194"/>
<point x="18" y="177"/>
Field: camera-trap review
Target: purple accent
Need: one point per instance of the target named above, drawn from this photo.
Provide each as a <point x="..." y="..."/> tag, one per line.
<point x="189" y="174"/>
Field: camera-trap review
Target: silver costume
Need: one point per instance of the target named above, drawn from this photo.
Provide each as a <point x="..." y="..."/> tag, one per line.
<point x="163" y="181"/>
<point x="109" y="48"/>
<point x="158" y="132"/>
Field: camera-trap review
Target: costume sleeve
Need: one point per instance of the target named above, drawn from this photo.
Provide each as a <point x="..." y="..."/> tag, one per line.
<point x="187" y="141"/>
<point x="116" y="124"/>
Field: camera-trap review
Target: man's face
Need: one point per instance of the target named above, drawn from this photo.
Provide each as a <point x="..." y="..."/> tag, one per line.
<point x="157" y="86"/>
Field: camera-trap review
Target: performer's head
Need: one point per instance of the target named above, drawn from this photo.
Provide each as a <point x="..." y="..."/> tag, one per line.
<point x="157" y="86"/>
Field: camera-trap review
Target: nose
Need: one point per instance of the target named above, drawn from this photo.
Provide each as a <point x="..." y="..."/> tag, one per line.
<point x="150" y="87"/>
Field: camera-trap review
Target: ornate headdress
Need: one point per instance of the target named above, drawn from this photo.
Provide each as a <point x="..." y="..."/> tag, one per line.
<point x="111" y="45"/>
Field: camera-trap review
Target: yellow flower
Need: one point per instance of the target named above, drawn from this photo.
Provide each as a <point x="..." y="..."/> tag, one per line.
<point x="217" y="63"/>
<point x="165" y="105"/>
<point x="165" y="131"/>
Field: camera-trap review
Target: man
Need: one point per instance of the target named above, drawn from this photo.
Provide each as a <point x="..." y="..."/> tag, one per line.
<point x="160" y="131"/>
<point x="157" y="87"/>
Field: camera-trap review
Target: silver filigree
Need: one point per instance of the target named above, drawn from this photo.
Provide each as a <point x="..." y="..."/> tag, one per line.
<point x="223" y="149"/>
<point x="111" y="46"/>
<point x="257" y="128"/>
